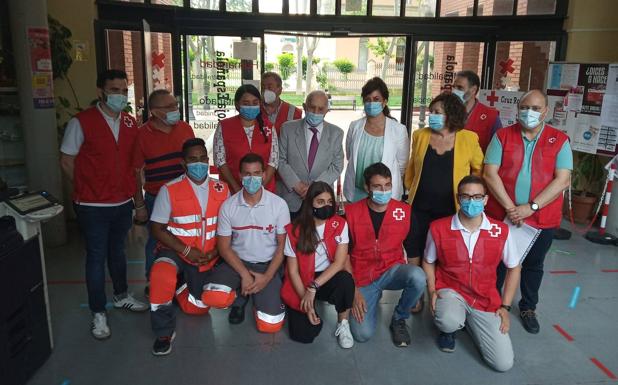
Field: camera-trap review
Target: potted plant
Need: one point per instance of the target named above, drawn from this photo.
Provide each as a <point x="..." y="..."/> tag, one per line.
<point x="586" y="186"/>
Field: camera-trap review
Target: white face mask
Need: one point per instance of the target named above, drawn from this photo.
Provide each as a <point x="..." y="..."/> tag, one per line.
<point x="269" y="97"/>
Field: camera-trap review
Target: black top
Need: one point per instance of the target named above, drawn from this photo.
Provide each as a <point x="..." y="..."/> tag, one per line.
<point x="435" y="188"/>
<point x="377" y="219"/>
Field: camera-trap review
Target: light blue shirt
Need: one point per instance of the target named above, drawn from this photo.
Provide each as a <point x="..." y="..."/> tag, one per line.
<point x="523" y="185"/>
<point x="370" y="150"/>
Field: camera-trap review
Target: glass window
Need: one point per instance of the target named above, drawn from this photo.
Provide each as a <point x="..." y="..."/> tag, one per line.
<point x="386" y="7"/>
<point x="271" y="6"/>
<point x="495" y="7"/>
<point x="420" y="8"/>
<point x="450" y="8"/>
<point x="177" y="3"/>
<point x="300" y="7"/>
<point x="239" y="5"/>
<point x="522" y="65"/>
<point x="326" y="7"/>
<point x="131" y="1"/>
<point x="205" y="4"/>
<point x="363" y="53"/>
<point x="354" y="7"/>
<point x="536" y="7"/>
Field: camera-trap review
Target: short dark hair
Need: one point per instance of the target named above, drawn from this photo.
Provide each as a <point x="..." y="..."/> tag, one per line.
<point x="454" y="110"/>
<point x="193" y="142"/>
<point x="251" y="158"/>
<point x="471" y="179"/>
<point x="155" y="94"/>
<point x="274" y="75"/>
<point x="472" y="77"/>
<point x="377" y="84"/>
<point x="376" y="169"/>
<point x="106" y="75"/>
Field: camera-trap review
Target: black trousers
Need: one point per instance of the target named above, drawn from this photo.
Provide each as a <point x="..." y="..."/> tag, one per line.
<point x="531" y="271"/>
<point x="338" y="291"/>
<point x="421" y="219"/>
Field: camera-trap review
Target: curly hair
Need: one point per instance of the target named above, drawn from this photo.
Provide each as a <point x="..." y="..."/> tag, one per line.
<point x="454" y="110"/>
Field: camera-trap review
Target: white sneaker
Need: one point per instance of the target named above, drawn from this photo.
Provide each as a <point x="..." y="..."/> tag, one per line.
<point x="344" y="335"/>
<point x="130" y="303"/>
<point x="100" y="330"/>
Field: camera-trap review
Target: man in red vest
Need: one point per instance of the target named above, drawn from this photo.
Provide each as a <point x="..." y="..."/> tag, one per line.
<point x="380" y="230"/>
<point x="184" y="221"/>
<point x="158" y="156"/>
<point x="527" y="168"/>
<point x="97" y="151"/>
<point x="277" y="111"/>
<point x="461" y="257"/>
<point x="482" y="119"/>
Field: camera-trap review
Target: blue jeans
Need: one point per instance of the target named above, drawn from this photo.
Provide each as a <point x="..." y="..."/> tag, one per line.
<point x="105" y="231"/>
<point x="410" y="278"/>
<point x="149" y="249"/>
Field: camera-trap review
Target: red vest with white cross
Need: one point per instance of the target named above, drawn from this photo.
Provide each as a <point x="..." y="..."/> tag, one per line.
<point x="237" y="145"/>
<point x="475" y="278"/>
<point x="481" y="120"/>
<point x="543" y="165"/>
<point x="286" y="113"/>
<point x="372" y="254"/>
<point x="104" y="171"/>
<point x="306" y="261"/>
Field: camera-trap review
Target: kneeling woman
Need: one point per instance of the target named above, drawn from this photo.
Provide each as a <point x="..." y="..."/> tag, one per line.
<point x="317" y="249"/>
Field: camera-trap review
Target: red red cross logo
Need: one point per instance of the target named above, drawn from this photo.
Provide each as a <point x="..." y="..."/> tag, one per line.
<point x="218" y="187"/>
<point x="495" y="230"/>
<point x="506" y="66"/>
<point x="552" y="140"/>
<point x="399" y="214"/>
<point x="158" y="59"/>
<point x="269" y="228"/>
<point x="335" y="224"/>
<point x="268" y="131"/>
<point x="128" y="121"/>
<point x="492" y="98"/>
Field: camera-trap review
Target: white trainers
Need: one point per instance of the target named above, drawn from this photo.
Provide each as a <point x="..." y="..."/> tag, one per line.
<point x="344" y="335"/>
<point x="130" y="303"/>
<point x="100" y="330"/>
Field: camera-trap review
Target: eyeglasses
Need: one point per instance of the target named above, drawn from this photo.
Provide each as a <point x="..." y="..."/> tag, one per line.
<point x="475" y="197"/>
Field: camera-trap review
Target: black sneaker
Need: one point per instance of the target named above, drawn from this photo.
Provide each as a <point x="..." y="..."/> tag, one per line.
<point x="237" y="315"/>
<point x="446" y="342"/>
<point x="163" y="345"/>
<point x="531" y="324"/>
<point x="399" y="332"/>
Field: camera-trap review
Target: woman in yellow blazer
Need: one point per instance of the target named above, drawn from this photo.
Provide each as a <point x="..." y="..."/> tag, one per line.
<point x="442" y="155"/>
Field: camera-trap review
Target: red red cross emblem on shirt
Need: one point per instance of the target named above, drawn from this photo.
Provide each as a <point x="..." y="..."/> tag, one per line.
<point x="399" y="214"/>
<point x="494" y="230"/>
<point x="335" y="224"/>
<point x="218" y="187"/>
<point x="268" y="131"/>
<point x="128" y="122"/>
<point x="269" y="228"/>
<point x="492" y="98"/>
<point x="506" y="66"/>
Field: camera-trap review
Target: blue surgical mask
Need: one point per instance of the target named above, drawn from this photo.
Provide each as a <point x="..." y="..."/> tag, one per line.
<point x="529" y="118"/>
<point x="436" y="121"/>
<point x="459" y="93"/>
<point x="314" y="119"/>
<point x="373" y="108"/>
<point x="249" y="112"/>
<point x="172" y="117"/>
<point x="381" y="197"/>
<point x="472" y="208"/>
<point x="197" y="170"/>
<point x="116" y="102"/>
<point x="252" y="183"/>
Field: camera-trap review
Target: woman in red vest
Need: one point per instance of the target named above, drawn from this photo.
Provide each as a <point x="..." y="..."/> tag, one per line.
<point x="317" y="251"/>
<point x="247" y="132"/>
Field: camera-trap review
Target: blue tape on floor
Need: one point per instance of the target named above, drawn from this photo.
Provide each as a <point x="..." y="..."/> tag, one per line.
<point x="574" y="297"/>
<point x="109" y="305"/>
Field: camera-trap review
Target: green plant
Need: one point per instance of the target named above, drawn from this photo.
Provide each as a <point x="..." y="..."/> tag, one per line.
<point x="588" y="174"/>
<point x="286" y="65"/>
<point x="345" y="66"/>
<point x="269" y="66"/>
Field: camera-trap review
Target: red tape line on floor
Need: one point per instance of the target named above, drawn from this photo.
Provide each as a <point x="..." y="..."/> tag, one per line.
<point x="607" y="372"/>
<point x="563" y="272"/>
<point x="610" y="270"/>
<point x="82" y="282"/>
<point x="564" y="333"/>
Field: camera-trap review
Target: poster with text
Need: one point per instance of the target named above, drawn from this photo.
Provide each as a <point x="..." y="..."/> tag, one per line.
<point x="593" y="77"/>
<point x="504" y="101"/>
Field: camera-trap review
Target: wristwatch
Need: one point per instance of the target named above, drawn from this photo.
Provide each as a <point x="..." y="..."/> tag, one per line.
<point x="534" y="206"/>
<point x="507" y="307"/>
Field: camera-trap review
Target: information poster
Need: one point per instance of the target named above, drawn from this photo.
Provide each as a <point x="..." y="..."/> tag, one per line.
<point x="41" y="67"/>
<point x="504" y="101"/>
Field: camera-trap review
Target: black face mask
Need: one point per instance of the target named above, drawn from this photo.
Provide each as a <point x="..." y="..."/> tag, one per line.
<point x="324" y="212"/>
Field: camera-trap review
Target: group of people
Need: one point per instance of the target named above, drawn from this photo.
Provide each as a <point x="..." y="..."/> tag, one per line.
<point x="268" y="230"/>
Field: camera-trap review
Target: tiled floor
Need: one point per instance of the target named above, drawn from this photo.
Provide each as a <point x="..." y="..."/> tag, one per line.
<point x="210" y="351"/>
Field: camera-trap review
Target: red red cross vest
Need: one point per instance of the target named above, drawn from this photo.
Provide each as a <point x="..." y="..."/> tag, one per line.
<point x="481" y="121"/>
<point x="474" y="279"/>
<point x="286" y="113"/>
<point x="237" y="145"/>
<point x="546" y="151"/>
<point x="104" y="171"/>
<point x="306" y="262"/>
<point x="372" y="255"/>
<point x="186" y="221"/>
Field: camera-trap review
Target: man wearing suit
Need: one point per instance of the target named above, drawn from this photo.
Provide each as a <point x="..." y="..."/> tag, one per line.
<point x="310" y="149"/>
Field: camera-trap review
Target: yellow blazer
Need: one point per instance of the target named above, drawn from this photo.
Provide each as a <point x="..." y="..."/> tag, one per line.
<point x="468" y="159"/>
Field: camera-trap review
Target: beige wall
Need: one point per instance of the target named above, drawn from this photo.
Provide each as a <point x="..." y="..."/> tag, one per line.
<point x="78" y="16"/>
<point x="593" y="31"/>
